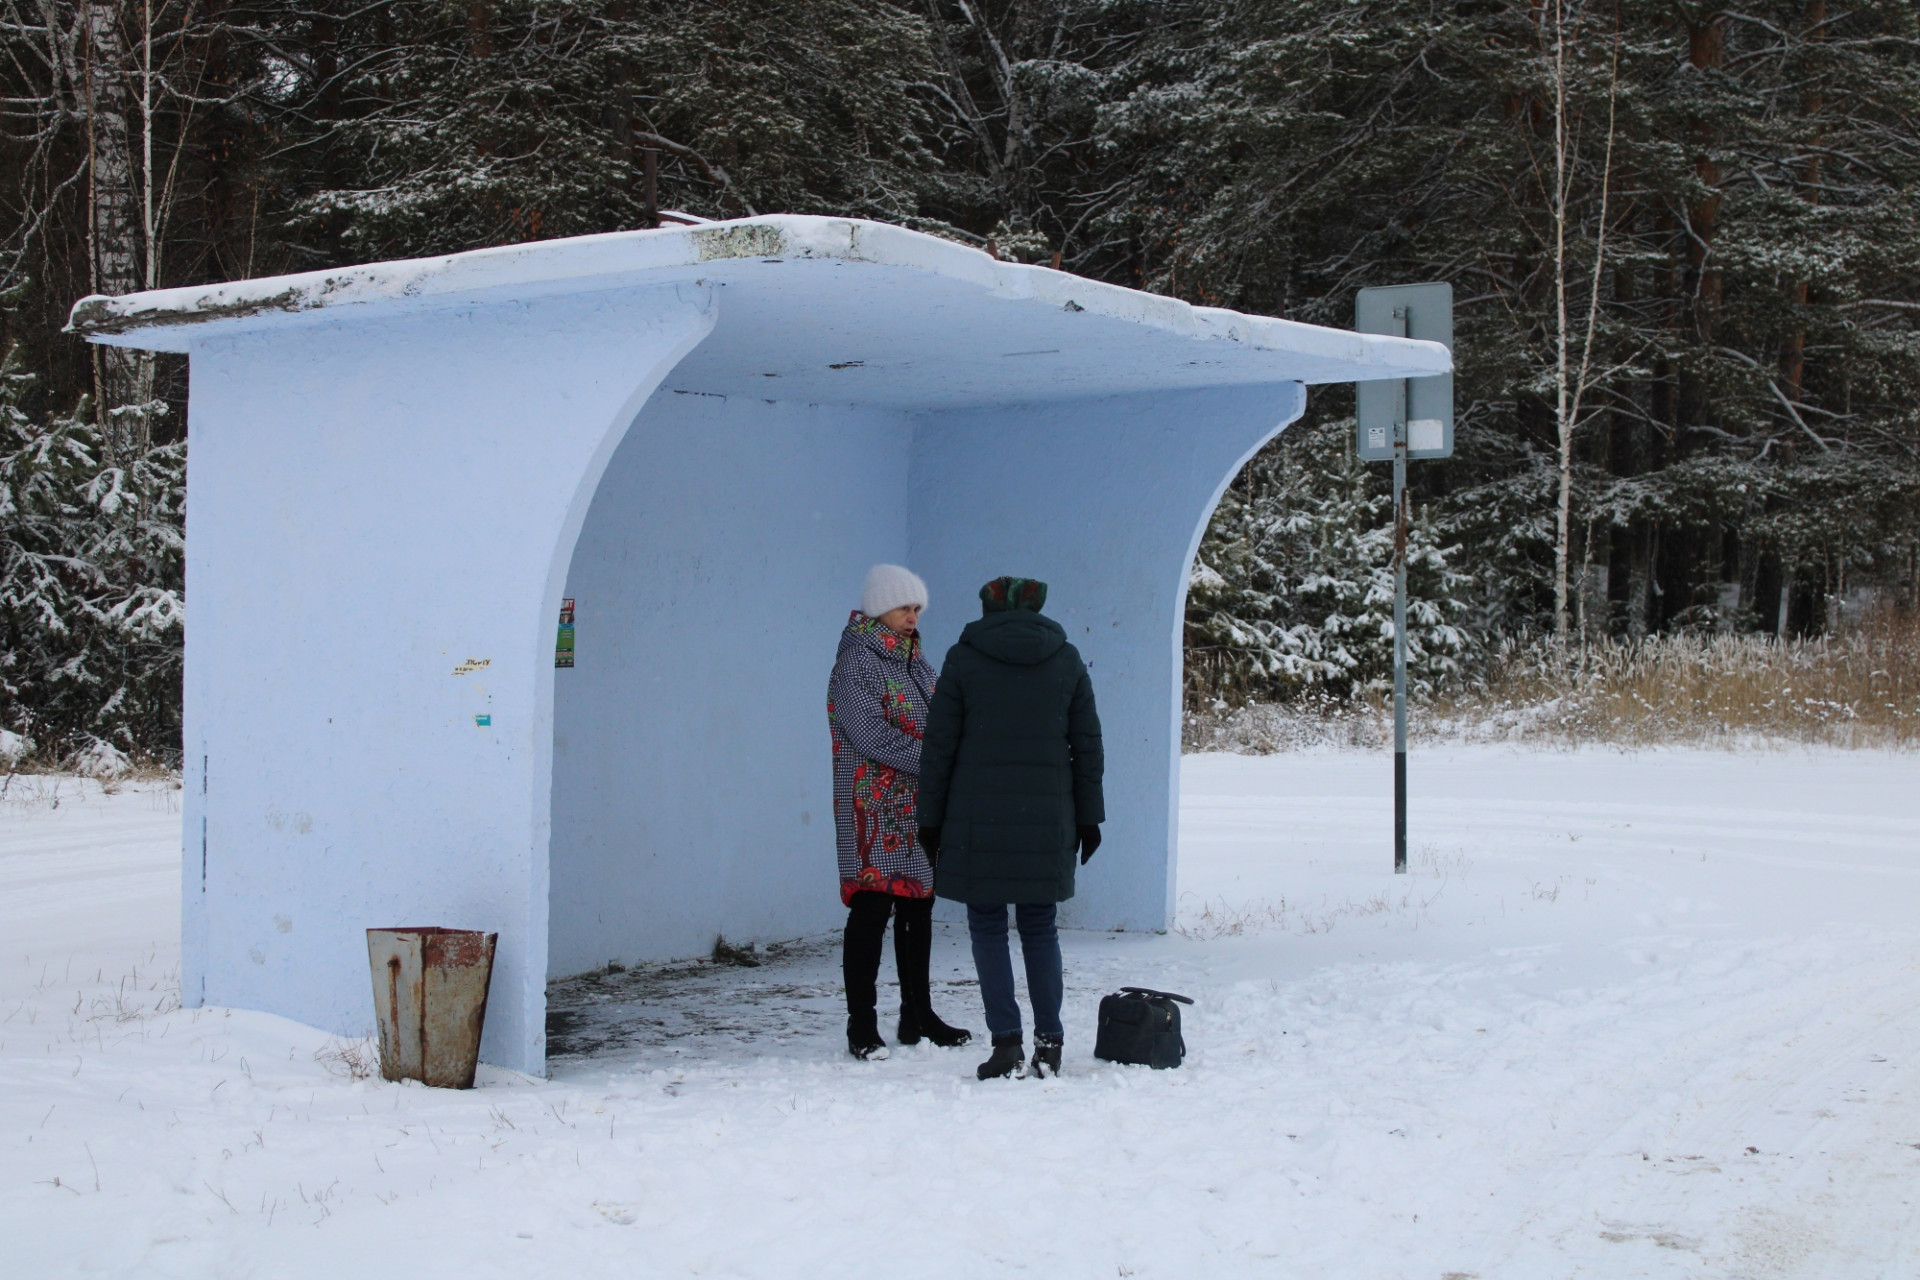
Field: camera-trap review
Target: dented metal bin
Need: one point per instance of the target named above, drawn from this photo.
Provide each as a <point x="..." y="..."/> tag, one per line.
<point x="430" y="999"/>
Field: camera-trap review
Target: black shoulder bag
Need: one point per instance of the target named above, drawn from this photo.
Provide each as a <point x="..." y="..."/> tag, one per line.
<point x="1141" y="1026"/>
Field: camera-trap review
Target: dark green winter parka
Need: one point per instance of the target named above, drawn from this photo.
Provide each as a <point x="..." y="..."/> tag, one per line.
<point x="1011" y="763"/>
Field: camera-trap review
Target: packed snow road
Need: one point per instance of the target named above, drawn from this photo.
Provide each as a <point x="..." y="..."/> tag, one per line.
<point x="1630" y="1015"/>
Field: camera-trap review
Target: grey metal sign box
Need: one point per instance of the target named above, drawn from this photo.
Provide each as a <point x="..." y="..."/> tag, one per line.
<point x="1424" y="405"/>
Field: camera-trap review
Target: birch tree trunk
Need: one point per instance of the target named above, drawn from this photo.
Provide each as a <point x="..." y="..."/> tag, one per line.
<point x="122" y="379"/>
<point x="1570" y="382"/>
<point x="1562" y="390"/>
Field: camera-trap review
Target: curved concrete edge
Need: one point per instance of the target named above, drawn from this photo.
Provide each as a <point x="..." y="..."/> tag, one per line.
<point x="166" y="319"/>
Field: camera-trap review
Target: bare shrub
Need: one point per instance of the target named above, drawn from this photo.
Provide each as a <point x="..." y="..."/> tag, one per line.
<point x="356" y="1058"/>
<point x="1858" y="688"/>
<point x="724" y="952"/>
<point x="1218" y="918"/>
<point x="1263" y="728"/>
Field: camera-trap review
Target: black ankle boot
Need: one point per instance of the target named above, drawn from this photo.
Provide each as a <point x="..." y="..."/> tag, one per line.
<point x="1046" y="1056"/>
<point x="1006" y="1059"/>
<point x="864" y="1042"/>
<point x="927" y="1025"/>
<point x="912" y="952"/>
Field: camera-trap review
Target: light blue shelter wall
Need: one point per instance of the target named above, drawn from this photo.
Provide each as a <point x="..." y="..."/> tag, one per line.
<point x="1104" y="500"/>
<point x="370" y="505"/>
<point x="692" y="787"/>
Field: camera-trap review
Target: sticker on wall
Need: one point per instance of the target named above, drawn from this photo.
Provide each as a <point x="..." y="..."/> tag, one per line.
<point x="563" y="646"/>
<point x="472" y="665"/>
<point x="483" y="720"/>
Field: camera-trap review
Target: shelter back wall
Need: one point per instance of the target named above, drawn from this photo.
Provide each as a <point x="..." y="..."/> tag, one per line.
<point x="692" y="777"/>
<point x="728" y="539"/>
<point x="1104" y="500"/>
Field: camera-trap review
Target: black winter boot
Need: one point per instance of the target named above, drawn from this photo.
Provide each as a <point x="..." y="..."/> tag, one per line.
<point x="1046" y="1056"/>
<point x="864" y="1042"/>
<point x="912" y="957"/>
<point x="860" y="968"/>
<point x="1006" y="1059"/>
<point x="926" y="1025"/>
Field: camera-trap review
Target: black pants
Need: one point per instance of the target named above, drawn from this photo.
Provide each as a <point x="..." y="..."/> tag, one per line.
<point x="912" y="956"/>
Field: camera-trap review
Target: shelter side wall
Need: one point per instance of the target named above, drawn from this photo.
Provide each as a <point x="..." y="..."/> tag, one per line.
<point x="692" y="791"/>
<point x="1104" y="500"/>
<point x="372" y="505"/>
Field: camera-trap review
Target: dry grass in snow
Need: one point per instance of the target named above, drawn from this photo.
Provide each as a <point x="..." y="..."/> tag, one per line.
<point x="1858" y="689"/>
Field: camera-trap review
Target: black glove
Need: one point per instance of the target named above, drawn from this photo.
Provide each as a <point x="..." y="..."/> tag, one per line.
<point x="930" y="843"/>
<point x="1089" y="840"/>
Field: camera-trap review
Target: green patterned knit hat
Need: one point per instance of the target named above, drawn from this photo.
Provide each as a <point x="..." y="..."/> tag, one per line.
<point x="1003" y="594"/>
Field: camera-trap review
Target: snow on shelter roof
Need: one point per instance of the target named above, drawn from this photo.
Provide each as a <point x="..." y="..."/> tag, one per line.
<point x="824" y="310"/>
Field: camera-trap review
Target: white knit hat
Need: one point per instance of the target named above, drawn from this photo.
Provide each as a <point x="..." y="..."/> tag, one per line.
<point x="889" y="587"/>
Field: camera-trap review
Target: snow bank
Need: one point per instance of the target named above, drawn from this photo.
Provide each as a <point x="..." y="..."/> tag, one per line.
<point x="14" y="747"/>
<point x="99" y="759"/>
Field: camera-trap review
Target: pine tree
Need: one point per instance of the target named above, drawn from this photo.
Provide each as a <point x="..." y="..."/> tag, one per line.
<point x="1292" y="591"/>
<point x="447" y="128"/>
<point x="90" y="582"/>
<point x="1685" y="243"/>
<point x="1729" y="197"/>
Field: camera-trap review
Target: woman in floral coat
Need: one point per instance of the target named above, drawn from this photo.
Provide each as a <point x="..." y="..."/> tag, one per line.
<point x="877" y="709"/>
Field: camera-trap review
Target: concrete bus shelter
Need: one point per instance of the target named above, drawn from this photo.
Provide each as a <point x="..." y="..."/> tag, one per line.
<point x="704" y="436"/>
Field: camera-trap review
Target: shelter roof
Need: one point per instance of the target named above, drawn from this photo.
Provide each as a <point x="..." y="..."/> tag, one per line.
<point x="825" y="310"/>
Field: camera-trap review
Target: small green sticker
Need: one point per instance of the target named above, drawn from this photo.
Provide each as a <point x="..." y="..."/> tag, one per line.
<point x="563" y="643"/>
<point x="483" y="720"/>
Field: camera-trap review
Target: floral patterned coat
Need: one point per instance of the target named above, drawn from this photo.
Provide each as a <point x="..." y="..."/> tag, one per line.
<point x="877" y="710"/>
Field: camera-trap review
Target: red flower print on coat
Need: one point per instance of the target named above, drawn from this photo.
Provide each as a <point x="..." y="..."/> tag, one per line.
<point x="876" y="713"/>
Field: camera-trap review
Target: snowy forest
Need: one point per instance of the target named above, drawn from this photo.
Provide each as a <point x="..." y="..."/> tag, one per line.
<point x="1684" y="243"/>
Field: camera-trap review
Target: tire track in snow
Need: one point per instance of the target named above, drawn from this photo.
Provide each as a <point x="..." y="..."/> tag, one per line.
<point x="1747" y="1160"/>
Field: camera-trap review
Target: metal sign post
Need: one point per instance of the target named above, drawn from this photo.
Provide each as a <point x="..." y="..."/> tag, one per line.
<point x="1397" y="420"/>
<point x="1400" y="649"/>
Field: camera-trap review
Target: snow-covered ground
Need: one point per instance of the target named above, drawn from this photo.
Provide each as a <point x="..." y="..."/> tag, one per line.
<point x="1630" y="1015"/>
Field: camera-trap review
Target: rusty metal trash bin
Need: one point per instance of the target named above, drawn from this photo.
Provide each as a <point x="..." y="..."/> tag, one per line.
<point x="430" y="1000"/>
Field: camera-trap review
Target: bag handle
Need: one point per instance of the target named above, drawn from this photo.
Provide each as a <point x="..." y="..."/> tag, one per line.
<point x="1149" y="991"/>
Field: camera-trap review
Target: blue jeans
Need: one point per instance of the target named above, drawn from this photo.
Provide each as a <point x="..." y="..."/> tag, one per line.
<point x="1039" y="947"/>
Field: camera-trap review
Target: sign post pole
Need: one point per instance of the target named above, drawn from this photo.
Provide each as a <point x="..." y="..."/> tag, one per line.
<point x="1396" y="420"/>
<point x="1400" y="648"/>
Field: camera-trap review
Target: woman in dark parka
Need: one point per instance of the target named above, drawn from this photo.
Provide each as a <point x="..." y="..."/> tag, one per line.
<point x="1010" y="773"/>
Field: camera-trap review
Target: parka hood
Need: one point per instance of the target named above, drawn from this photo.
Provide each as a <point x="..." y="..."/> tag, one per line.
<point x="1015" y="636"/>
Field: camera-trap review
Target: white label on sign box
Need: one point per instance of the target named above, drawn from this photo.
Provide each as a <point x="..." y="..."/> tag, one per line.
<point x="1376" y="437"/>
<point x="1426" y="433"/>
